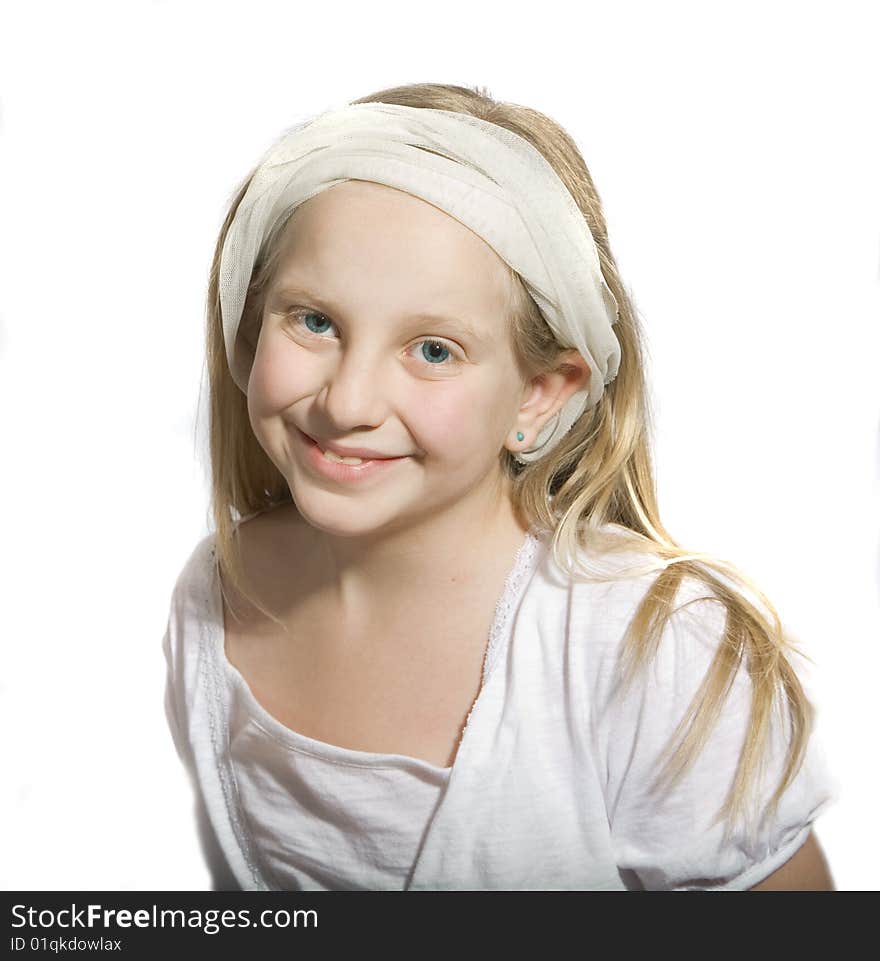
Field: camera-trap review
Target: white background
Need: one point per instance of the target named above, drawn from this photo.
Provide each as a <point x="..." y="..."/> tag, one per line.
<point x="735" y="147"/>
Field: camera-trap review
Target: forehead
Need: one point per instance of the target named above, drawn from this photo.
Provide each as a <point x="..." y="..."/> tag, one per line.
<point x="362" y="237"/>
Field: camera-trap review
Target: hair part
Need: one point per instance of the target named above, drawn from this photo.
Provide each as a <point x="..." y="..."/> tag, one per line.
<point x="599" y="474"/>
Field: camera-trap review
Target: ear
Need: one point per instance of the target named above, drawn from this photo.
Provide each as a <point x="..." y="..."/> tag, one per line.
<point x="544" y="395"/>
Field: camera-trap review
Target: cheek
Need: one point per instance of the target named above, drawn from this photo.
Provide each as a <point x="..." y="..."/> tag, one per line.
<point x="273" y="378"/>
<point x="459" y="424"/>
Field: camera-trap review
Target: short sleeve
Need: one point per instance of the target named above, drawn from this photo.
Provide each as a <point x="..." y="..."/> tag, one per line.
<point x="666" y="839"/>
<point x="188" y="608"/>
<point x="175" y="700"/>
<point x="180" y="649"/>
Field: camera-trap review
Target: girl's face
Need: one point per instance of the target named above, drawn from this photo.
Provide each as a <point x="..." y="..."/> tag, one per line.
<point x="348" y="354"/>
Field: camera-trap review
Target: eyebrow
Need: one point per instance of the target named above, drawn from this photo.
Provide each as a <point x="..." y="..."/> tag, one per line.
<point x="289" y="290"/>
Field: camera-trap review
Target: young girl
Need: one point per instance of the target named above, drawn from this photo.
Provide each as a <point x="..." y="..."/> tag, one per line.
<point x="440" y="638"/>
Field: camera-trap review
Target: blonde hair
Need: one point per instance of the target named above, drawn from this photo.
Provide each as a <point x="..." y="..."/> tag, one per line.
<point x="599" y="474"/>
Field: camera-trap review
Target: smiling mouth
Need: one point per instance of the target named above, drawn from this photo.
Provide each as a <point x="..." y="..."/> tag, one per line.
<point x="330" y="455"/>
<point x="351" y="460"/>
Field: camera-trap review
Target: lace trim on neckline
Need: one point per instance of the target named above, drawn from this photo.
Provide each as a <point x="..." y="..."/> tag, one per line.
<point x="522" y="565"/>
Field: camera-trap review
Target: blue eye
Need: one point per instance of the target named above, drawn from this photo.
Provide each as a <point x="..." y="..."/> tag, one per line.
<point x="434" y="344"/>
<point x="437" y="353"/>
<point x="311" y="313"/>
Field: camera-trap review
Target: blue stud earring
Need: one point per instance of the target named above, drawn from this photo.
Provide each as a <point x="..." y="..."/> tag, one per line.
<point x="520" y="435"/>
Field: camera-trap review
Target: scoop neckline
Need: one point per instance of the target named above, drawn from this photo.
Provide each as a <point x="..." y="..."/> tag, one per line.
<point x="293" y="740"/>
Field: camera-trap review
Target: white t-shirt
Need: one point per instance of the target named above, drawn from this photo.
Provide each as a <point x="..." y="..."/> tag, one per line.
<point x="550" y="785"/>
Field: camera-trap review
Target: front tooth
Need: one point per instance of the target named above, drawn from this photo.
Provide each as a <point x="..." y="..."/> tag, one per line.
<point x="342" y="460"/>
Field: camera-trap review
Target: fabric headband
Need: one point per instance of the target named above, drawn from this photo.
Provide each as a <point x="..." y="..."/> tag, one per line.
<point x="488" y="178"/>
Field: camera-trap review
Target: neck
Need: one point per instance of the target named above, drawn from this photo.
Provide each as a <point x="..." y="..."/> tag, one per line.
<point x="413" y="569"/>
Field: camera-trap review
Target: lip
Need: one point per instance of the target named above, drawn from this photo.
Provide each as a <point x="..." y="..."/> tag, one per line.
<point x="366" y="452"/>
<point x="343" y="473"/>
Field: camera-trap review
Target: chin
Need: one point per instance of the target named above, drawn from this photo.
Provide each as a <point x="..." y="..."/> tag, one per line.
<point x="337" y="517"/>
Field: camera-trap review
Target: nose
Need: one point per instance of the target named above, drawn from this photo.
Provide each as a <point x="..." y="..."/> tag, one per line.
<point x="355" y="389"/>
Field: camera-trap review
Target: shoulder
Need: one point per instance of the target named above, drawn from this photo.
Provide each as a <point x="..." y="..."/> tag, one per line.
<point x="611" y="581"/>
<point x="190" y="608"/>
<point x="610" y="631"/>
<point x="191" y="599"/>
<point x="194" y="573"/>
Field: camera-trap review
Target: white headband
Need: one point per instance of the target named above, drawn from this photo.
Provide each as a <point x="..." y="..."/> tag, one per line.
<point x="488" y="178"/>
